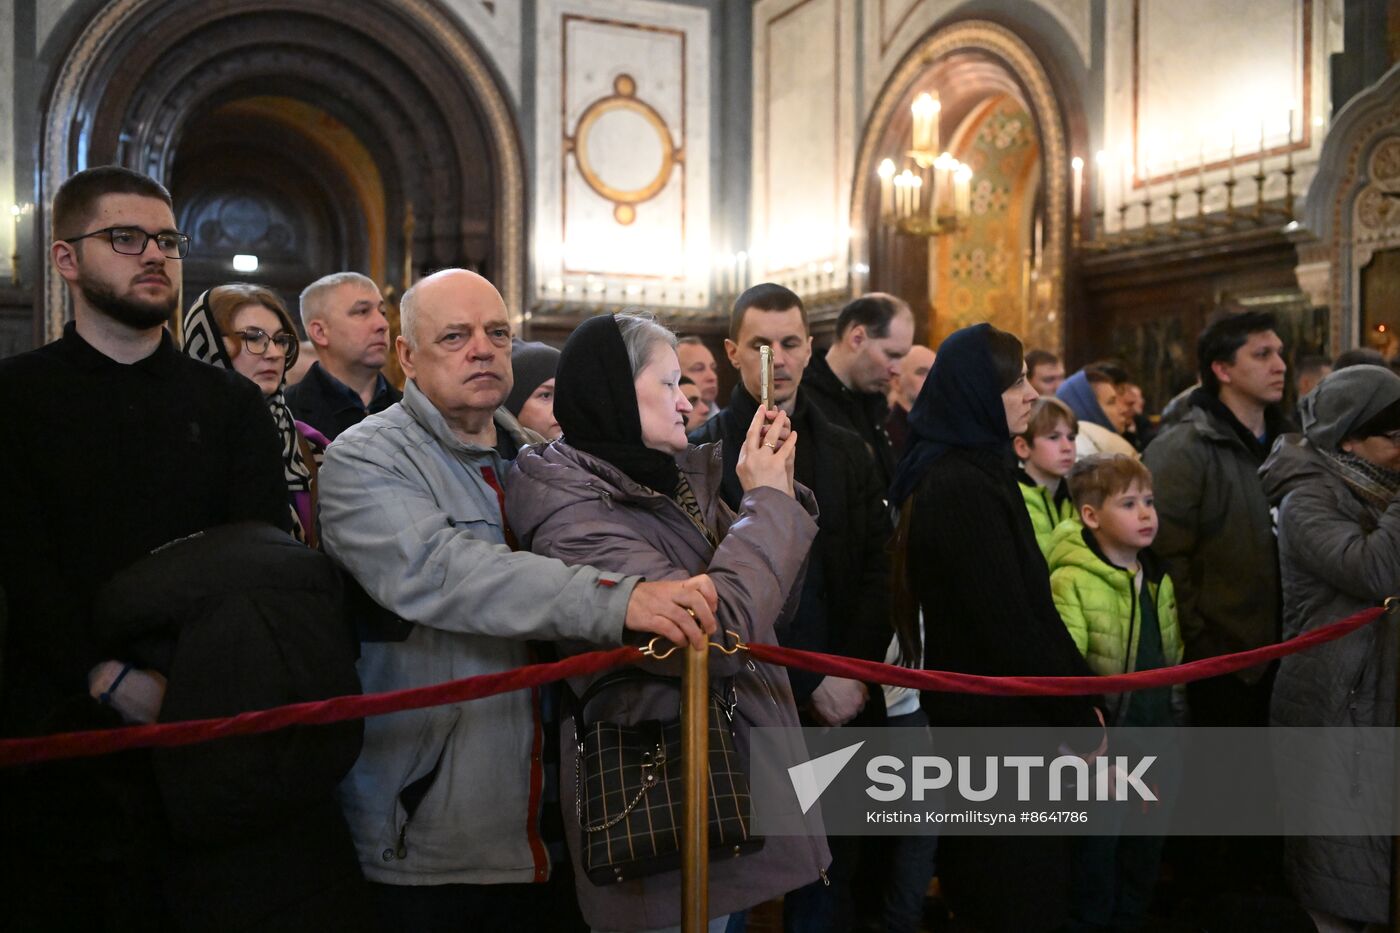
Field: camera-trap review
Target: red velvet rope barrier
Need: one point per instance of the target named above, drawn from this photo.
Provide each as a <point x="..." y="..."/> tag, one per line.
<point x="322" y="712"/>
<point x="953" y="682"/>
<point x="318" y="712"/>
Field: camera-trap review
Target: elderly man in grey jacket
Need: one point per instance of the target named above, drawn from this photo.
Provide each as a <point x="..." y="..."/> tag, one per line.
<point x="444" y="802"/>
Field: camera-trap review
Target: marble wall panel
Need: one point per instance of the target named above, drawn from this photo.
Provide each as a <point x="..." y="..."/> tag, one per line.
<point x="622" y="139"/>
<point x="1188" y="81"/>
<point x="804" y="136"/>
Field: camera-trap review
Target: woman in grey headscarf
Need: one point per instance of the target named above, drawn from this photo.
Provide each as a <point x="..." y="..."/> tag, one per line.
<point x="1337" y="486"/>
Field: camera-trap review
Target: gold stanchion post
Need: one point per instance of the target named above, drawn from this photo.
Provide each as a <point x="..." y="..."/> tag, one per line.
<point x="1391" y="621"/>
<point x="695" y="753"/>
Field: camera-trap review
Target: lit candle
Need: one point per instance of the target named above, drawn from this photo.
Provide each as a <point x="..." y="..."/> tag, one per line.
<point x="1232" y="153"/>
<point x="1290" y="126"/>
<point x="1078" y="187"/>
<point x="918" y="194"/>
<point x="886" y="173"/>
<point x="1176" y="171"/>
<point x="944" y="169"/>
<point x="1101" y="176"/>
<point x="963" y="182"/>
<point x="925" y="110"/>
<point x="1261" y="147"/>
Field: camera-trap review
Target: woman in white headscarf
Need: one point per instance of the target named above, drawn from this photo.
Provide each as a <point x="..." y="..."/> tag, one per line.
<point x="1337" y="486"/>
<point x="246" y="328"/>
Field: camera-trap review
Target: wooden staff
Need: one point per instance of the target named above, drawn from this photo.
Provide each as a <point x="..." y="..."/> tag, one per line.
<point x="695" y="753"/>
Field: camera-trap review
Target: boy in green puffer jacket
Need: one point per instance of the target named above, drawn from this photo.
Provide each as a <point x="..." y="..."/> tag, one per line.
<point x="1046" y="452"/>
<point x="1120" y="608"/>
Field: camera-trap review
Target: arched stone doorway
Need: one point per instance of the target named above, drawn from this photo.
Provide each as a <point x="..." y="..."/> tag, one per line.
<point x="1002" y="114"/>
<point x="305" y="131"/>
<point x="1349" y="248"/>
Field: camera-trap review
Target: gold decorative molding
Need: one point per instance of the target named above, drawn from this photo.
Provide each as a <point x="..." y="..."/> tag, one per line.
<point x="61" y="129"/>
<point x="1008" y="48"/>
<point x="623" y="99"/>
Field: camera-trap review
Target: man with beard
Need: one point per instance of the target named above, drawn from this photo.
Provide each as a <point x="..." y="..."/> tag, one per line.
<point x="115" y="444"/>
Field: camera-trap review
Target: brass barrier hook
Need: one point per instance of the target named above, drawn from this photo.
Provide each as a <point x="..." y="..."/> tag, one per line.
<point x="653" y="651"/>
<point x="650" y="650"/>
<point x="738" y="644"/>
<point x="1391" y="602"/>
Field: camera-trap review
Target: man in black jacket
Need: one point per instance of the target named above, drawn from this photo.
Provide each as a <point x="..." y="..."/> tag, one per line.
<point x="116" y="443"/>
<point x="851" y="381"/>
<point x="844" y="605"/>
<point x="343" y="314"/>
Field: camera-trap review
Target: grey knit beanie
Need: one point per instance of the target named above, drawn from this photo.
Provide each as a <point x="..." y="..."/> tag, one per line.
<point x="533" y="365"/>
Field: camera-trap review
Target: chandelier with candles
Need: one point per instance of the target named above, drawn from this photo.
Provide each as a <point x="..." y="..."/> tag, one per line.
<point x="933" y="193"/>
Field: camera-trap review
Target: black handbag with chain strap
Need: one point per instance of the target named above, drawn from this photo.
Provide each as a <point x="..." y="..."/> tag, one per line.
<point x="629" y="789"/>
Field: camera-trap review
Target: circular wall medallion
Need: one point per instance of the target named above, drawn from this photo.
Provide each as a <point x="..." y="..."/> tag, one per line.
<point x="624" y="149"/>
<point x="1385" y="164"/>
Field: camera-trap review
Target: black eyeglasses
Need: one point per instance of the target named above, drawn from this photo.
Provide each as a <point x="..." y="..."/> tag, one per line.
<point x="131" y="241"/>
<point x="256" y="340"/>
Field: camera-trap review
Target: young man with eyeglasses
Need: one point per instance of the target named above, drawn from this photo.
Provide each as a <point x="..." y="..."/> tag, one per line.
<point x="115" y="444"/>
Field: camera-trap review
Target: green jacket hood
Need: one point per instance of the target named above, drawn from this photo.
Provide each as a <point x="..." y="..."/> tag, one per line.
<point x="1073" y="545"/>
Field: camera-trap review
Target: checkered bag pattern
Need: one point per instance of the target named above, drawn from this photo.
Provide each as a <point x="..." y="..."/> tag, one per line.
<point x="630" y="795"/>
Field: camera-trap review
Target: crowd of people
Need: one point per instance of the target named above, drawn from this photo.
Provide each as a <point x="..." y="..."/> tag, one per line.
<point x="194" y="526"/>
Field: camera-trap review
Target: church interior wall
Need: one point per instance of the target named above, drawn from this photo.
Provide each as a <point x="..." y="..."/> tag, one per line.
<point x="733" y="155"/>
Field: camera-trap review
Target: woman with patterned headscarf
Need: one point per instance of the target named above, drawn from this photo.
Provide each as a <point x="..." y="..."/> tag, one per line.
<point x="1337" y="488"/>
<point x="246" y="328"/>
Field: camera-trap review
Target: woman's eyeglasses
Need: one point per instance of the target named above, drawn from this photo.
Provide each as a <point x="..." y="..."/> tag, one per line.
<point x="256" y="341"/>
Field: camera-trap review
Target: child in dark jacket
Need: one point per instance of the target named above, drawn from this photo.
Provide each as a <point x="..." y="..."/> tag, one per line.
<point x="1120" y="608"/>
<point x="1046" y="452"/>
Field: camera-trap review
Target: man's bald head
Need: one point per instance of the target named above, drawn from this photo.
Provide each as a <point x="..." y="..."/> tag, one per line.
<point x="455" y="346"/>
<point x="447" y="287"/>
<point x="913" y="371"/>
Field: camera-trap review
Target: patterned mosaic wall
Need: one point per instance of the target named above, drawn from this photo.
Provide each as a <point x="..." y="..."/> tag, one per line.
<point x="980" y="274"/>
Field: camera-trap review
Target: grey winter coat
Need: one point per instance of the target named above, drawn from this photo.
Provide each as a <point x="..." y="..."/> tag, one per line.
<point x="568" y="504"/>
<point x="1338" y="555"/>
<point x="443" y="795"/>
<point x="1216" y="536"/>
